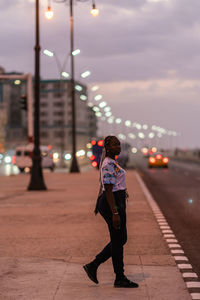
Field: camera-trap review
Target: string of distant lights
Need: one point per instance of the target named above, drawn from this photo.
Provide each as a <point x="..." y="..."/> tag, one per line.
<point x="104" y="112"/>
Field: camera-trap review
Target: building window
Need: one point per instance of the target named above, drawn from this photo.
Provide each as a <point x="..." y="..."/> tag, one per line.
<point x="43" y="86"/>
<point x="58" y="122"/>
<point x="57" y="85"/>
<point x="59" y="134"/>
<point x="43" y="114"/>
<point x="57" y="95"/>
<point x="44" y="134"/>
<point x="58" y="113"/>
<point x="58" y="104"/>
<point x="44" y="123"/>
<point x="44" y="104"/>
<point x="44" y="95"/>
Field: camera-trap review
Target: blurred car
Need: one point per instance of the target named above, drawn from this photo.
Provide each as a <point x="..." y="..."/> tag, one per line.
<point x="23" y="158"/>
<point x="158" y="160"/>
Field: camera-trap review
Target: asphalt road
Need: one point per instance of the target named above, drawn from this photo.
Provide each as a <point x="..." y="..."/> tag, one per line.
<point x="177" y="192"/>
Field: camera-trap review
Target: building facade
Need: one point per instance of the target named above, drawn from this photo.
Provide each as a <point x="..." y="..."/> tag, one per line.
<point x="55" y="115"/>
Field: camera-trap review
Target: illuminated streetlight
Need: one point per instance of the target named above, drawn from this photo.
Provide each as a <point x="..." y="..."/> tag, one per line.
<point x="118" y="121"/>
<point x="128" y="123"/>
<point x="94" y="88"/>
<point x="96" y="108"/>
<point x="49" y="13"/>
<point x="108" y="114"/>
<point x="98" y="97"/>
<point x="78" y="88"/>
<point x="102" y="104"/>
<point x="76" y="52"/>
<point x="83" y="97"/>
<point x="94" y="11"/>
<point x="48" y="52"/>
<point x="107" y="109"/>
<point x="85" y="74"/>
<point x="65" y="74"/>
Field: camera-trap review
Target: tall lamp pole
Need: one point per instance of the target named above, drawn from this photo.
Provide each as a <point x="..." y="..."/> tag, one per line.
<point x="37" y="182"/>
<point x="74" y="168"/>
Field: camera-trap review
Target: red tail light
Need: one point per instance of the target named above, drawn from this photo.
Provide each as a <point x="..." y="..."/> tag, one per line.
<point x="165" y="160"/>
<point x="93" y="142"/>
<point x="92" y="157"/>
<point x="100" y="143"/>
<point x="158" y="156"/>
<point x="152" y="160"/>
<point x="94" y="164"/>
<point x="14" y="160"/>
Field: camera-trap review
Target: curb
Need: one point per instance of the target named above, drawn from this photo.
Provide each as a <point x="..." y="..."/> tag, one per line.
<point x="189" y="276"/>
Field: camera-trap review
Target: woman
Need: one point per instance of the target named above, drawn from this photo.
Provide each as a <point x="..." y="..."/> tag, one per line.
<point x="111" y="204"/>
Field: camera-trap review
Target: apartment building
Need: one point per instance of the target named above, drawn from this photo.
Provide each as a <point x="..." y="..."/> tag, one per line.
<point x="55" y="115"/>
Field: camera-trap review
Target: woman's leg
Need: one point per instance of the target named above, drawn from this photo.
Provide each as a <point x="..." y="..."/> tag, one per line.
<point x="115" y="247"/>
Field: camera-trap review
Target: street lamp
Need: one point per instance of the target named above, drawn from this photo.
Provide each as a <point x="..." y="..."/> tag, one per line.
<point x="37" y="182"/>
<point x="74" y="168"/>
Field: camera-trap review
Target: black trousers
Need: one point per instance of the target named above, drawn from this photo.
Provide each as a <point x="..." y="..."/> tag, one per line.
<point x="118" y="238"/>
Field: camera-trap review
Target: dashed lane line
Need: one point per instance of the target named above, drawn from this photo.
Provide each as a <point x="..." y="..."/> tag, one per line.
<point x="181" y="260"/>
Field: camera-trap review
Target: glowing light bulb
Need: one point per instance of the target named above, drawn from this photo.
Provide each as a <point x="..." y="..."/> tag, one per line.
<point x="49" y="13"/>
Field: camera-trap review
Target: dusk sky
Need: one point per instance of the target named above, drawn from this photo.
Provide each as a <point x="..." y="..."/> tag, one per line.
<point x="143" y="54"/>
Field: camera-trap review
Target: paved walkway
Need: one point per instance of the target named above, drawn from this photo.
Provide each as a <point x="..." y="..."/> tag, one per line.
<point x="46" y="237"/>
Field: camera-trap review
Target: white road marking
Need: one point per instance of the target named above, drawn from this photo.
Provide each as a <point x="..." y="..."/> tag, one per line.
<point x="174" y="246"/>
<point x="184" y="266"/>
<point x="167" y="231"/>
<point x="190" y="275"/>
<point x="164" y="227"/>
<point x="178" y="251"/>
<point x="193" y="284"/>
<point x="181" y="258"/>
<point x="169" y="236"/>
<point x="171" y="241"/>
<point x="195" y="296"/>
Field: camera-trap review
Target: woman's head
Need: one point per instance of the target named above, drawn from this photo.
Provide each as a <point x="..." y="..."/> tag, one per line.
<point x="112" y="146"/>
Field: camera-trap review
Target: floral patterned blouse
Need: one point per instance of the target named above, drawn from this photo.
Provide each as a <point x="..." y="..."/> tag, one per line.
<point x="112" y="173"/>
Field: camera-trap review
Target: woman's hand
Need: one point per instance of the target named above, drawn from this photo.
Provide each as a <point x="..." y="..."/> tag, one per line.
<point x="116" y="221"/>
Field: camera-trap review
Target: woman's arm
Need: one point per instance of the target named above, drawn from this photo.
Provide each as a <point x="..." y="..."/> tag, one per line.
<point x="111" y="201"/>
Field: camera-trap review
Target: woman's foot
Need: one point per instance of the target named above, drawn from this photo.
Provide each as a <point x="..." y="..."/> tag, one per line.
<point x="124" y="282"/>
<point x="91" y="270"/>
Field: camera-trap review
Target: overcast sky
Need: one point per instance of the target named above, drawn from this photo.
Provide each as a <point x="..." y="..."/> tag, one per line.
<point x="143" y="54"/>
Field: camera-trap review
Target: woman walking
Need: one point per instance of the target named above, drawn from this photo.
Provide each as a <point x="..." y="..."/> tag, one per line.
<point x="111" y="204"/>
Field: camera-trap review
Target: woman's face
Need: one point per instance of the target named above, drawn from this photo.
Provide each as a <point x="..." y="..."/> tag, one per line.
<point x="114" y="147"/>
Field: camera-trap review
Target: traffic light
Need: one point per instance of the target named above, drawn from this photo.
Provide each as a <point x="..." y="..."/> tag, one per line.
<point x="23" y="102"/>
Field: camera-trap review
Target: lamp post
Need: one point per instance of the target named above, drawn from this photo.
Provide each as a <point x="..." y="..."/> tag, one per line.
<point x="37" y="182"/>
<point x="74" y="168"/>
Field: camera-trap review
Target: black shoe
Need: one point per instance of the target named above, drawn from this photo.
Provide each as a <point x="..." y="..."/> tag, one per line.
<point x="91" y="270"/>
<point x="124" y="282"/>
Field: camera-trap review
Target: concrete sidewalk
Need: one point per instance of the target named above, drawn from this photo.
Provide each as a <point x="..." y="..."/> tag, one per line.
<point x="46" y="237"/>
